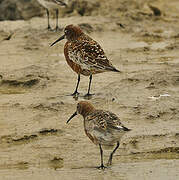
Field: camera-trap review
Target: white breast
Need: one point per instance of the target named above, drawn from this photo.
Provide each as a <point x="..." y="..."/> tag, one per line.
<point x="76" y="57"/>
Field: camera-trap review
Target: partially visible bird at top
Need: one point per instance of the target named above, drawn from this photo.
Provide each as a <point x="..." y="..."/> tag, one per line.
<point x="53" y="5"/>
<point x="84" y="55"/>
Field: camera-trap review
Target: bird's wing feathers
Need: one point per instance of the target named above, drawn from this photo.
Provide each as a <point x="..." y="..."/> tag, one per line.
<point x="103" y="120"/>
<point x="93" y="55"/>
<point x="96" y="121"/>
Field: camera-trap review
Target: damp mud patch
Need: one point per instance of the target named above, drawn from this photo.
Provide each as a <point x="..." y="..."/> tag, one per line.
<point x="12" y="90"/>
<point x="159" y="78"/>
<point x="167" y="153"/>
<point x="24" y="78"/>
<point x="164" y="153"/>
<point x="19" y="166"/>
<point x="150" y="38"/>
<point x="47" y="132"/>
<point x="156" y="144"/>
<point x="25" y="82"/>
<point x="54" y="106"/>
<point x="56" y="163"/>
<point x="24" y="139"/>
<point x="8" y="139"/>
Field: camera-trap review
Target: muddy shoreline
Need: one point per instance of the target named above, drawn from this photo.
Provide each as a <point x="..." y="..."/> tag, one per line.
<point x="35" y="81"/>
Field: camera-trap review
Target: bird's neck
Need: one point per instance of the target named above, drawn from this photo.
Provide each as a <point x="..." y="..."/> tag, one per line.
<point x="87" y="110"/>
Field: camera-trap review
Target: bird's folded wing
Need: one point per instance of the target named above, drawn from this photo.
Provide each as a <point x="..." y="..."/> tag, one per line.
<point x="97" y="121"/>
<point x="103" y="121"/>
<point x="113" y="121"/>
<point x="94" y="56"/>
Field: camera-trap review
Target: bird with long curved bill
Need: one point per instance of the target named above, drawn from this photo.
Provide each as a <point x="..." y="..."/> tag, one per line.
<point x="84" y="55"/>
<point x="102" y="127"/>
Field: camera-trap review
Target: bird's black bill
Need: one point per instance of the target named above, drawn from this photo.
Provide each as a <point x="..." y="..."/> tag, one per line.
<point x="61" y="38"/>
<point x="72" y="117"/>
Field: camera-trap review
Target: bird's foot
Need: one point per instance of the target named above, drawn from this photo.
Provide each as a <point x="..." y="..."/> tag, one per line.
<point x="75" y="94"/>
<point x="49" y="28"/>
<point x="101" y="167"/>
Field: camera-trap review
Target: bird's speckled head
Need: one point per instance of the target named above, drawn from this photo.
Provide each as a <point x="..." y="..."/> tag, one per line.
<point x="84" y="108"/>
<point x="72" y="32"/>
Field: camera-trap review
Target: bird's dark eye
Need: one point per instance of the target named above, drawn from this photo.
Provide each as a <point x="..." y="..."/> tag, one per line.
<point x="78" y="106"/>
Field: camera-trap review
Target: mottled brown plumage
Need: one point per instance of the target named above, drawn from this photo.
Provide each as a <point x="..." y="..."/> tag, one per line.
<point x="84" y="55"/>
<point x="102" y="127"/>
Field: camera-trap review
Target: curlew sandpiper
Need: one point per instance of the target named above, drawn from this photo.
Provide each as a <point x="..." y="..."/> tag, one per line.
<point x="84" y="55"/>
<point x="102" y="127"/>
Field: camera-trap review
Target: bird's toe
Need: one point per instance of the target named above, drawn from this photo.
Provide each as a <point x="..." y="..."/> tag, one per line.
<point x="75" y="94"/>
<point x="102" y="167"/>
<point x="49" y="28"/>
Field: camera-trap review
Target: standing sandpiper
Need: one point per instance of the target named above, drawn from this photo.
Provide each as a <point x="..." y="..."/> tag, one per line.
<point x="84" y="55"/>
<point x="102" y="127"/>
<point x="53" y="5"/>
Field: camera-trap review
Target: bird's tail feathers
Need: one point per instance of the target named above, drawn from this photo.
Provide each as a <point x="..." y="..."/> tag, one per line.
<point x="126" y="129"/>
<point x="115" y="70"/>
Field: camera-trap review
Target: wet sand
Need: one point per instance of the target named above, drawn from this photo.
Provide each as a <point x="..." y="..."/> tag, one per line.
<point x="35" y="81"/>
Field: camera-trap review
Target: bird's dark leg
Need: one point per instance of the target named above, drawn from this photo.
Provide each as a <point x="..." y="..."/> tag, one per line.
<point x="76" y="90"/>
<point x="111" y="155"/>
<point x="89" y="87"/>
<point x="101" y="152"/>
<point x="57" y="28"/>
<point x="48" y="20"/>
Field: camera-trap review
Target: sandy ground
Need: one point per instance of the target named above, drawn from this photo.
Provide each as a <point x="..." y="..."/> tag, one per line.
<point x="36" y="142"/>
